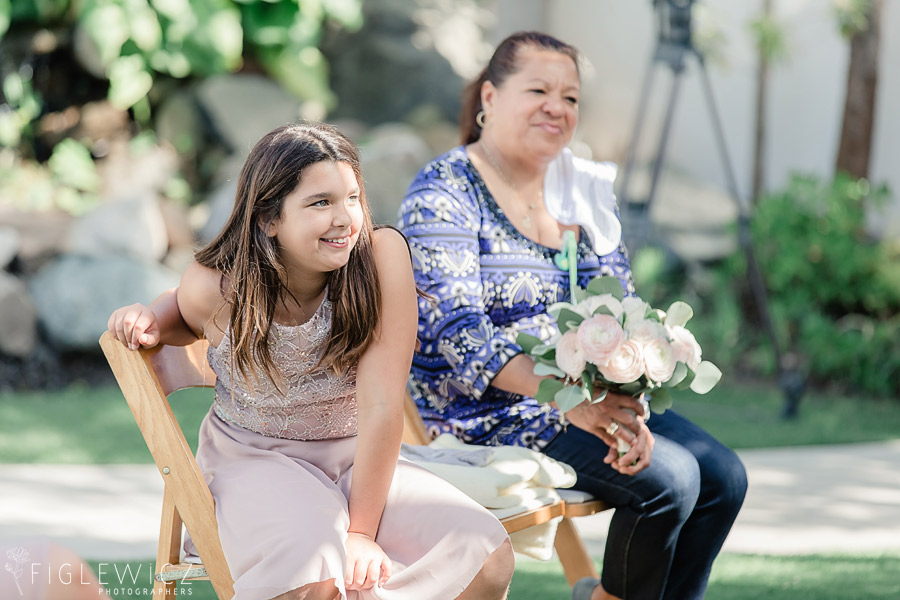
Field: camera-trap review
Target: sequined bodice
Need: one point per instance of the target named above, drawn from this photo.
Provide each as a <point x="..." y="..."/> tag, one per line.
<point x="315" y="405"/>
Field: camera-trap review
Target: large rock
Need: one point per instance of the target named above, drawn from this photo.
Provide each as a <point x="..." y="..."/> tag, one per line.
<point x="391" y="157"/>
<point x="392" y="65"/>
<point x="133" y="228"/>
<point x="243" y="108"/>
<point x="75" y="295"/>
<point x="9" y="245"/>
<point x="41" y="234"/>
<point x="18" y="317"/>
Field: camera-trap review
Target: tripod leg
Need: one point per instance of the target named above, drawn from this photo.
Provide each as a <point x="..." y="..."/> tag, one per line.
<point x="663" y="141"/>
<point x="636" y="132"/>
<point x="791" y="382"/>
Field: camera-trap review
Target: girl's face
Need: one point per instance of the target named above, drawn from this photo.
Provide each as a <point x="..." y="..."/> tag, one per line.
<point x="535" y="110"/>
<point x="320" y="220"/>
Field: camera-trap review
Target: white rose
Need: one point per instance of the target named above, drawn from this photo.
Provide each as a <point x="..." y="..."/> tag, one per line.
<point x="659" y="360"/>
<point x="645" y="330"/>
<point x="687" y="350"/>
<point x="569" y="355"/>
<point x="600" y="337"/>
<point x="635" y="309"/>
<point x="626" y="365"/>
<point x="586" y="307"/>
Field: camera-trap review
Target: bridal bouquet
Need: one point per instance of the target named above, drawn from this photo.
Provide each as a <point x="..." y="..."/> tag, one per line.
<point x="621" y="344"/>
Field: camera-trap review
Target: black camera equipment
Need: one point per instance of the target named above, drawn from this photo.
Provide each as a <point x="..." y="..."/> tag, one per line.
<point x="674" y="44"/>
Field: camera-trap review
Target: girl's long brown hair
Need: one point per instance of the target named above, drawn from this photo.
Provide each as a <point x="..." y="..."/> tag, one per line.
<point x="504" y="63"/>
<point x="254" y="278"/>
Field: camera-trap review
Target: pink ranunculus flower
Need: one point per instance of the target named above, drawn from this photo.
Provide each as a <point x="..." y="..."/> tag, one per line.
<point x="687" y="350"/>
<point x="569" y="355"/>
<point x="600" y="337"/>
<point x="645" y="331"/>
<point x="586" y="307"/>
<point x="626" y="365"/>
<point x="659" y="360"/>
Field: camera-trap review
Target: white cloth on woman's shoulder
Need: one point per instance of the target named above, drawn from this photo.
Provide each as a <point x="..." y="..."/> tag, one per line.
<point x="508" y="481"/>
<point x="578" y="191"/>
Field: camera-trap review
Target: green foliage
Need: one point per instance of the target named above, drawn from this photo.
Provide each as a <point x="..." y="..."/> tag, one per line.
<point x="834" y="291"/>
<point x="769" y="39"/>
<point x="852" y="16"/>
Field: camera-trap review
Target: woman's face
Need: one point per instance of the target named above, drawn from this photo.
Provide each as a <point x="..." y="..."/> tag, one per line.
<point x="535" y="110"/>
<point x="320" y="220"/>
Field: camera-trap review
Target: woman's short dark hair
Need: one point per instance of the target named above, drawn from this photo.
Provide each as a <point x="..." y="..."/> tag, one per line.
<point x="504" y="63"/>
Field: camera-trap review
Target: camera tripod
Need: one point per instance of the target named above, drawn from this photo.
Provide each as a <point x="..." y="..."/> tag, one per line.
<point x="673" y="48"/>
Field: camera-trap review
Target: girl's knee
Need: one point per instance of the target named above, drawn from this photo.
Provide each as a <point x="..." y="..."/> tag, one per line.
<point x="498" y="569"/>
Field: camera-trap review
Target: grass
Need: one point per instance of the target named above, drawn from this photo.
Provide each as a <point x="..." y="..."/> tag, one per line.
<point x="82" y="425"/>
<point x="734" y="577"/>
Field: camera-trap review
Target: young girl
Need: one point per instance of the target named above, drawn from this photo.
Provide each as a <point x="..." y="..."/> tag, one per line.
<point x="311" y="318"/>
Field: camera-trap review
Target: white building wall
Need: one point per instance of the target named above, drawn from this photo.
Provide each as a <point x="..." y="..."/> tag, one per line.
<point x="806" y="91"/>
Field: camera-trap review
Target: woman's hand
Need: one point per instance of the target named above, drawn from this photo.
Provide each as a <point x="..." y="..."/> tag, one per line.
<point x="135" y="326"/>
<point x="627" y="412"/>
<point x="367" y="564"/>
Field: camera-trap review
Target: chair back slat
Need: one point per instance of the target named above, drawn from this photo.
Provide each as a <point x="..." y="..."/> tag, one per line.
<point x="146" y="377"/>
<point x="180" y="367"/>
<point x="414" y="432"/>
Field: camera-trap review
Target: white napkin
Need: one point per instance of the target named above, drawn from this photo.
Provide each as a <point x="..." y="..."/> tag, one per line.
<point x="578" y="191"/>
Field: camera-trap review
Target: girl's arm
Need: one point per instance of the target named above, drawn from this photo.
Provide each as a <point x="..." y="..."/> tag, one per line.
<point x="381" y="383"/>
<point x="177" y="316"/>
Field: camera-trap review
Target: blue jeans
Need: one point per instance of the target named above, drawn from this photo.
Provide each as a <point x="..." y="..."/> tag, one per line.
<point x="672" y="518"/>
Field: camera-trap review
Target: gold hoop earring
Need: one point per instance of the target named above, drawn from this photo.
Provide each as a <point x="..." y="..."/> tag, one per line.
<point x="479" y="118"/>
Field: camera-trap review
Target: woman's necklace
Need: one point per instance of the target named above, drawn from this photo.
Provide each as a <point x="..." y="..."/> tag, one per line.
<point x="526" y="219"/>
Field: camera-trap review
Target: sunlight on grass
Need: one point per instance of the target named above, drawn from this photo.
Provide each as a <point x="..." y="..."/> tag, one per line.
<point x="82" y="425"/>
<point x="734" y="577"/>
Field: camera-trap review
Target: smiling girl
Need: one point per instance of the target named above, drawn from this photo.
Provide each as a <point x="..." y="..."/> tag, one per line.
<point x="301" y="446"/>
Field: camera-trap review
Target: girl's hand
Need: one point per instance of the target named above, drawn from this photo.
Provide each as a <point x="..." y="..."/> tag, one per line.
<point x="367" y="564"/>
<point x="627" y="413"/>
<point x="135" y="326"/>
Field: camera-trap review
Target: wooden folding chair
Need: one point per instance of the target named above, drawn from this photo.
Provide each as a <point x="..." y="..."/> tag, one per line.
<point x="146" y="378"/>
<point x="569" y="546"/>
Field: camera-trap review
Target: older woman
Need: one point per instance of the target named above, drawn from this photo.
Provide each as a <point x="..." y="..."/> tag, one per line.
<point x="486" y="222"/>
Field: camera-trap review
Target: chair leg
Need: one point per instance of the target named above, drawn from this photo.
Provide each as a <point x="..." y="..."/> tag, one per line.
<point x="572" y="553"/>
<point x="169" y="549"/>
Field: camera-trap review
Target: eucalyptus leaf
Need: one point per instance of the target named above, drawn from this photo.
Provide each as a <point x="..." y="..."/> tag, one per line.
<point x="606" y="284"/>
<point x="685" y="383"/>
<point x="568" y="397"/>
<point x="707" y="376"/>
<point x="547" y="390"/>
<point x="660" y="401"/>
<point x="679" y="314"/>
<point x="553" y="309"/>
<point x="527" y="342"/>
<point x="678" y="376"/>
<point x="568" y="319"/>
<point x="543" y="368"/>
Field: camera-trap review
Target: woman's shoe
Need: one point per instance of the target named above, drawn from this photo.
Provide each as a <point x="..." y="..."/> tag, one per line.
<point x="584" y="587"/>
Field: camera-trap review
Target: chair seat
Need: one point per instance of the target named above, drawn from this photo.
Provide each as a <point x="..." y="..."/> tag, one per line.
<point x="182" y="571"/>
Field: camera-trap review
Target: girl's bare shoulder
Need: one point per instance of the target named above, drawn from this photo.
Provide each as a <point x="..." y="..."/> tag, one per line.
<point x="200" y="296"/>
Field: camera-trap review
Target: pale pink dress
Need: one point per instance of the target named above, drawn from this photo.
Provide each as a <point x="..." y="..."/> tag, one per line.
<point x="280" y="465"/>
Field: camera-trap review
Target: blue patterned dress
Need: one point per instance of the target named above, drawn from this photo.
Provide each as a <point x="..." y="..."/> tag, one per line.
<point x="489" y="282"/>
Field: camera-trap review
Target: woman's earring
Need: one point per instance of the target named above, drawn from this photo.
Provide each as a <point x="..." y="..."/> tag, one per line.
<point x="479" y="118"/>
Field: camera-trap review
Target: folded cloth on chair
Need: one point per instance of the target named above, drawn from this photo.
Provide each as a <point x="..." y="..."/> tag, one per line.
<point x="511" y="480"/>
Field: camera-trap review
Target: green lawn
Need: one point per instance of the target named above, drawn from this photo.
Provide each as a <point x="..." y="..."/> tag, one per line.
<point x="734" y="577"/>
<point x="82" y="425"/>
